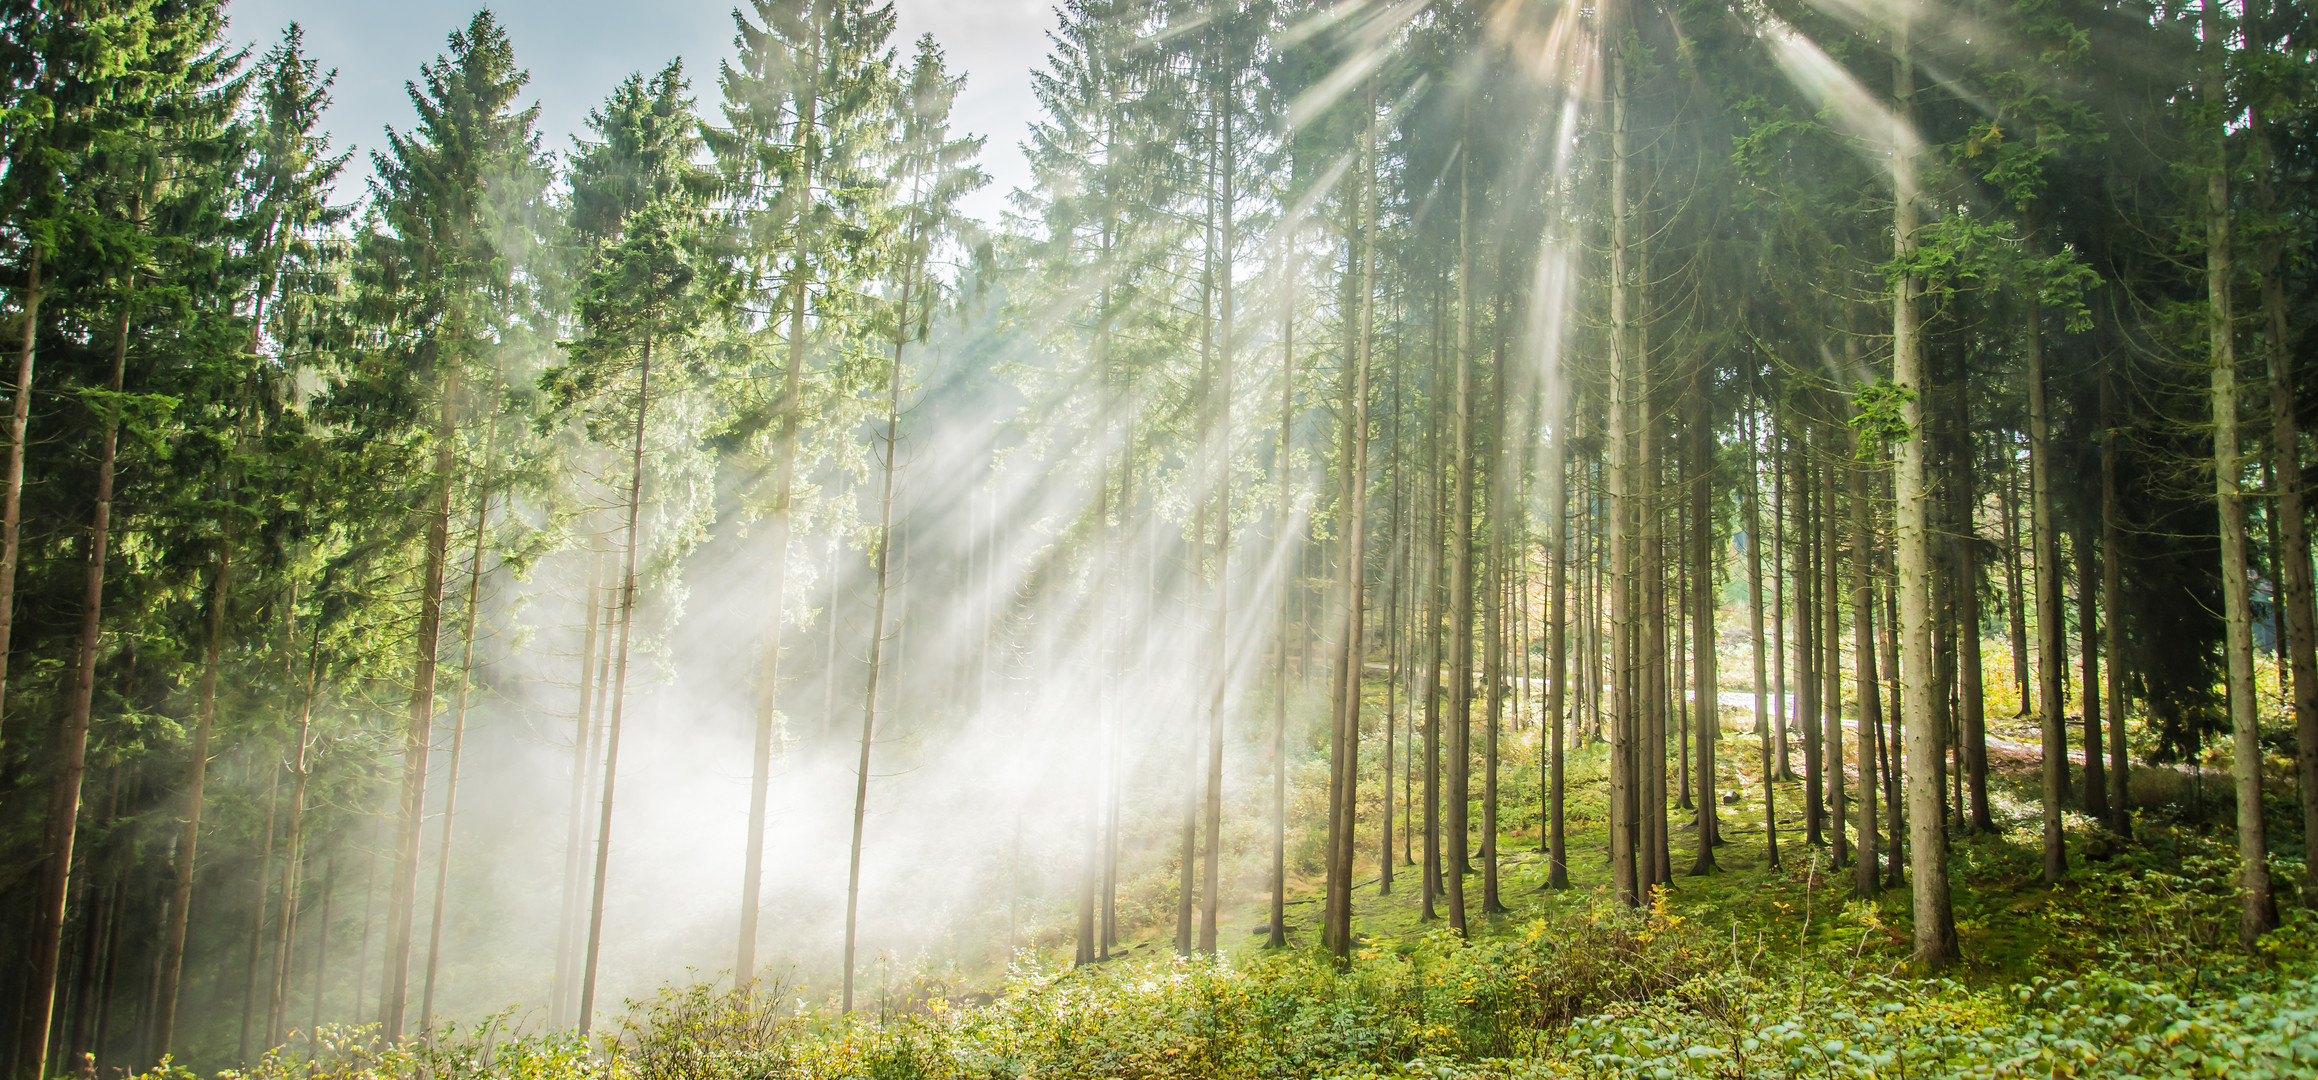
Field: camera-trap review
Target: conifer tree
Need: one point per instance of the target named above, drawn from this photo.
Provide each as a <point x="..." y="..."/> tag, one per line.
<point x="447" y="194"/>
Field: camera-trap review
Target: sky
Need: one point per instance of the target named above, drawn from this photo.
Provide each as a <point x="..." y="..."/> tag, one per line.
<point x="577" y="50"/>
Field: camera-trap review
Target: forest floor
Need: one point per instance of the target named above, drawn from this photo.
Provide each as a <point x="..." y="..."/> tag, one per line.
<point x="2010" y="924"/>
<point x="2129" y="968"/>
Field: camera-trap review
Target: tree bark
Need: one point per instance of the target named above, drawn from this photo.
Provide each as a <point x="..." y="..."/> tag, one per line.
<point x="2112" y="584"/>
<point x="181" y="896"/>
<point x="1808" y="656"/>
<point x="2096" y="783"/>
<point x="2293" y="551"/>
<point x="582" y="743"/>
<point x="418" y="734"/>
<point x="784" y="488"/>
<point x="12" y="497"/>
<point x="1702" y="621"/>
<point x="71" y="763"/>
<point x="2050" y="661"/>
<point x="619" y="699"/>
<point x="1866" y="867"/>
<point x="458" y="737"/>
<point x="249" y="992"/>
<point x="879" y="567"/>
<point x="1282" y="516"/>
<point x="1459" y="860"/>
<point x="1911" y="538"/>
<point x="1763" y="718"/>
<point x="1557" y="641"/>
<point x="285" y="924"/>
<point x="2258" y="909"/>
<point x="1625" y="806"/>
<point x="1220" y="448"/>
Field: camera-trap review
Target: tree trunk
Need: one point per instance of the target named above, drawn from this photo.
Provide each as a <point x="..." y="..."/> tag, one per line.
<point x="1459" y="860"/>
<point x="1970" y="672"/>
<point x="1557" y="638"/>
<point x="418" y="735"/>
<point x="1763" y="719"/>
<point x="784" y="487"/>
<point x="2096" y="786"/>
<point x="1625" y="804"/>
<point x="2258" y="909"/>
<point x="2016" y="586"/>
<point x="12" y="498"/>
<point x="1219" y="441"/>
<point x="1282" y="515"/>
<point x="1493" y="630"/>
<point x="1831" y="665"/>
<point x="285" y="924"/>
<point x="619" y="699"/>
<point x="2112" y="583"/>
<point x="1866" y="867"/>
<point x="181" y="896"/>
<point x="878" y="564"/>
<point x="2050" y="662"/>
<point x="72" y="741"/>
<point x="249" y="992"/>
<point x="582" y="743"/>
<point x="2293" y="550"/>
<point x="1702" y="621"/>
<point x="1911" y="538"/>
<point x="458" y="736"/>
<point x="1782" y="704"/>
<point x="1808" y="655"/>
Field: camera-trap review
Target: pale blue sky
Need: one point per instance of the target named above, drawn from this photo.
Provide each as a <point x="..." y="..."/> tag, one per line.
<point x="576" y="50"/>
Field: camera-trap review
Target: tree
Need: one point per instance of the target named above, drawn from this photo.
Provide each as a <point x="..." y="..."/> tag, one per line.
<point x="446" y="193"/>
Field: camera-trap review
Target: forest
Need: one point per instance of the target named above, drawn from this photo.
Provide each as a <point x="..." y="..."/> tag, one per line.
<point x="1444" y="538"/>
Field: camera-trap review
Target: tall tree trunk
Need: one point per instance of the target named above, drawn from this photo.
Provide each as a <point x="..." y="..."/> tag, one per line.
<point x="458" y="735"/>
<point x="2112" y="584"/>
<point x="285" y="924"/>
<point x="1625" y="823"/>
<point x="1556" y="722"/>
<point x="12" y="496"/>
<point x="878" y="563"/>
<point x="1970" y="672"/>
<point x="2293" y="550"/>
<point x="1891" y="750"/>
<point x="2051" y="663"/>
<point x="321" y="957"/>
<point x="1500" y="499"/>
<point x="1282" y="514"/>
<point x="249" y="992"/>
<point x="2096" y="786"/>
<point x="1782" y="704"/>
<point x="1807" y="652"/>
<point x="1429" y="667"/>
<point x="1703" y="649"/>
<point x="1459" y="861"/>
<point x="2016" y="585"/>
<point x="1220" y="641"/>
<point x="164" y="1016"/>
<point x="575" y="837"/>
<point x="784" y="489"/>
<point x="72" y="737"/>
<point x="1754" y="527"/>
<point x="1866" y="867"/>
<point x="1831" y="664"/>
<point x="418" y="735"/>
<point x="2258" y="909"/>
<point x="619" y="699"/>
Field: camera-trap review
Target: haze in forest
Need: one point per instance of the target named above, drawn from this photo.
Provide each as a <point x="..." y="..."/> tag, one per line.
<point x="919" y="539"/>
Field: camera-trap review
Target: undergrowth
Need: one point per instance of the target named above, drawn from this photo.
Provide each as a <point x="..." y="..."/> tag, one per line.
<point x="1591" y="991"/>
